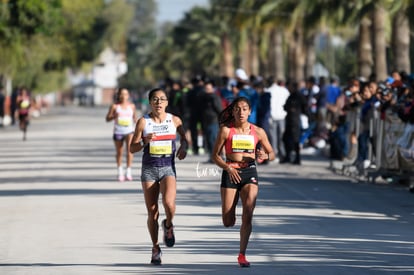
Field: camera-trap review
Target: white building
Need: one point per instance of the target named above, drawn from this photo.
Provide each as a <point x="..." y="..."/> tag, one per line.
<point x="98" y="87"/>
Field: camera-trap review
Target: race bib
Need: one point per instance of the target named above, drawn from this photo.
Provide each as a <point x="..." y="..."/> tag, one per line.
<point x="124" y="121"/>
<point x="160" y="147"/>
<point x="242" y="143"/>
<point x="24" y="104"/>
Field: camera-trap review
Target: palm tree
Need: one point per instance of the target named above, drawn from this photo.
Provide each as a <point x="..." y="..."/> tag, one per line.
<point x="353" y="14"/>
<point x="371" y="17"/>
<point x="365" y="61"/>
<point x="380" y="47"/>
<point x="274" y="23"/>
<point x="224" y="21"/>
<point x="277" y="67"/>
<point x="205" y="38"/>
<point x="302" y="35"/>
<point x="241" y="22"/>
<point x="301" y="27"/>
<point x="277" y="20"/>
<point x="400" y="39"/>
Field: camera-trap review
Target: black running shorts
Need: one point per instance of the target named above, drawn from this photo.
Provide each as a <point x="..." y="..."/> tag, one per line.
<point x="248" y="176"/>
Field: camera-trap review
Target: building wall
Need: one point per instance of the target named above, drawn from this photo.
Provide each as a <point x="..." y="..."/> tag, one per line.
<point x="107" y="96"/>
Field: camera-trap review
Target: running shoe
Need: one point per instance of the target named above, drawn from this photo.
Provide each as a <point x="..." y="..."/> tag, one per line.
<point x="156" y="256"/>
<point x="121" y="178"/>
<point x="242" y="261"/>
<point x="169" y="238"/>
<point x="128" y="174"/>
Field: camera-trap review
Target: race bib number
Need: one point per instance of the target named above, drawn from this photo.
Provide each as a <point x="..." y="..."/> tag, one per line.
<point x="124" y="121"/>
<point x="242" y="143"/>
<point x="160" y="147"/>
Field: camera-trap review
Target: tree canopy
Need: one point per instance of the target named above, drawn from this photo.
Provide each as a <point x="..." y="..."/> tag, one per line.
<point x="41" y="39"/>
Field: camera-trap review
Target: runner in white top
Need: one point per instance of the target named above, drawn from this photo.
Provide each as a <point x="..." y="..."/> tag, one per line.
<point x="155" y="135"/>
<point x="123" y="113"/>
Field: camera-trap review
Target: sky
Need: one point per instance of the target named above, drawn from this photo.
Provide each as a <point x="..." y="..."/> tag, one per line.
<point x="173" y="10"/>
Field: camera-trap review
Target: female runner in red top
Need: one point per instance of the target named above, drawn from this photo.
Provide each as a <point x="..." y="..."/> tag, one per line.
<point x="239" y="139"/>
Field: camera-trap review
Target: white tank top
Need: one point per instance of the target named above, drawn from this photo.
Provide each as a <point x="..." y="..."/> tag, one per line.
<point x="124" y="124"/>
<point x="163" y="144"/>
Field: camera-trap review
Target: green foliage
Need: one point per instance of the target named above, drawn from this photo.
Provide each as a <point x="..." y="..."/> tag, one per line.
<point x="340" y="61"/>
<point x="118" y="16"/>
<point x="39" y="39"/>
<point x="82" y="32"/>
<point x="141" y="51"/>
<point x="52" y="81"/>
<point x="31" y="17"/>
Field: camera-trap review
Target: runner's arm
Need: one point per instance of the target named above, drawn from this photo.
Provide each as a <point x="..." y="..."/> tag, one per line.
<point x="134" y="113"/>
<point x="182" y="151"/>
<point x="136" y="144"/>
<point x="266" y="152"/>
<point x="111" y="113"/>
<point x="218" y="148"/>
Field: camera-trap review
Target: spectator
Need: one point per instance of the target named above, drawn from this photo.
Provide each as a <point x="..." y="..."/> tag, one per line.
<point x="279" y="94"/>
<point x="332" y="93"/>
<point x="235" y="90"/>
<point x="225" y="92"/>
<point x="13" y="105"/>
<point x="263" y="110"/>
<point x="193" y="101"/>
<point x="248" y="92"/>
<point x="367" y="113"/>
<point x="310" y="92"/>
<point x="321" y="108"/>
<point x="295" y="106"/>
<point x="176" y="99"/>
<point x="210" y="107"/>
<point x="342" y="136"/>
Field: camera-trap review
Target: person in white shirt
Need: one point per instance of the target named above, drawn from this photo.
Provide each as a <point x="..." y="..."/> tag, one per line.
<point x="279" y="95"/>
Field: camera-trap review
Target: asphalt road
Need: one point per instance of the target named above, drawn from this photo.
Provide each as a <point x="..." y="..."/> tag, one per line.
<point x="63" y="212"/>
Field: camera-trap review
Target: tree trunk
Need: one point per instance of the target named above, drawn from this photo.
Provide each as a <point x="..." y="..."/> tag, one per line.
<point x="291" y="59"/>
<point x="243" y="51"/>
<point x="227" y="68"/>
<point x="270" y="55"/>
<point x="330" y="53"/>
<point x="309" y="47"/>
<point x="401" y="42"/>
<point x="364" y="48"/>
<point x="254" y="53"/>
<point x="265" y="53"/>
<point x="299" y="55"/>
<point x="380" y="47"/>
<point x="277" y="60"/>
<point x="296" y="57"/>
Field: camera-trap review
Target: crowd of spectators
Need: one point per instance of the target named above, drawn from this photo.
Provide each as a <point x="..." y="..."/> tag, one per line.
<point x="358" y="104"/>
<point x="315" y="113"/>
